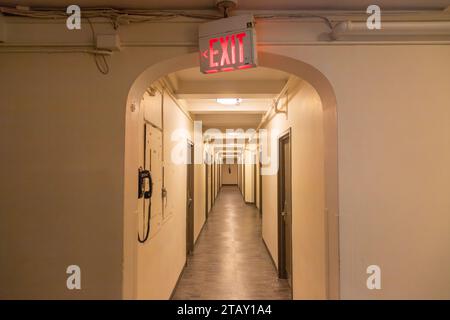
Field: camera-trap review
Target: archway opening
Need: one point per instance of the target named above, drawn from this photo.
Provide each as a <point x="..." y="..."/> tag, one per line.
<point x="309" y="104"/>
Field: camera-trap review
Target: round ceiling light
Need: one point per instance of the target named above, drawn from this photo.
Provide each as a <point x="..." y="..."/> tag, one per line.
<point x="230" y="101"/>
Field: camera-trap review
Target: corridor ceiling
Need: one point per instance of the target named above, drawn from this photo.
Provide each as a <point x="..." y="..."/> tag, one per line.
<point x="199" y="93"/>
<point x="256" y="87"/>
<point x="242" y="4"/>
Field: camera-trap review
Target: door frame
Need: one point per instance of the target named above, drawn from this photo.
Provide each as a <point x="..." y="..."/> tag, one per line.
<point x="212" y="183"/>
<point x="190" y="213"/>
<point x="243" y="176"/>
<point x="293" y="65"/>
<point x="206" y="191"/>
<point x="260" y="187"/>
<point x="238" y="175"/>
<point x="214" y="180"/>
<point x="281" y="234"/>
<point x="254" y="180"/>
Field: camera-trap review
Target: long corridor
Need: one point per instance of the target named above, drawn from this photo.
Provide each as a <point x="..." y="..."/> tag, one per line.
<point x="230" y="260"/>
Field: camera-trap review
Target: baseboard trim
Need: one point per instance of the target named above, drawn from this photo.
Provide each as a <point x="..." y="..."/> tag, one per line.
<point x="270" y="255"/>
<point x="199" y="234"/>
<point x="178" y="280"/>
<point x="185" y="263"/>
<point x="275" y="266"/>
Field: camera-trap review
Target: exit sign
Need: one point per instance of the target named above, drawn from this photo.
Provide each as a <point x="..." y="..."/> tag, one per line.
<point x="228" y="44"/>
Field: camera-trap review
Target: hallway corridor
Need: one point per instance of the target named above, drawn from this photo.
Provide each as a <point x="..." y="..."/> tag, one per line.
<point x="230" y="260"/>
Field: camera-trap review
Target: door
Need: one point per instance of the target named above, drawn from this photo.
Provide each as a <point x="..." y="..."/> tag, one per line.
<point x="260" y="186"/>
<point x="285" y="209"/>
<point x="206" y="191"/>
<point x="213" y="183"/>
<point x="190" y="199"/>
<point x="254" y="179"/>
<point x="243" y="178"/>
<point x="214" y="180"/>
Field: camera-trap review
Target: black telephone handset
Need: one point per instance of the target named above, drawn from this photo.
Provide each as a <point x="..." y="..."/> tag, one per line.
<point x="142" y="175"/>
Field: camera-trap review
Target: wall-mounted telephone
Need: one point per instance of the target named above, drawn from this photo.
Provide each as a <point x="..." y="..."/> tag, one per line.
<point x="142" y="175"/>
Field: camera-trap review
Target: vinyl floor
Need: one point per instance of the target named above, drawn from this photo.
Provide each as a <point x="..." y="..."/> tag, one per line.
<point x="230" y="260"/>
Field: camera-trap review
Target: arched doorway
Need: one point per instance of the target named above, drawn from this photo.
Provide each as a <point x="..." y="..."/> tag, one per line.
<point x="328" y="100"/>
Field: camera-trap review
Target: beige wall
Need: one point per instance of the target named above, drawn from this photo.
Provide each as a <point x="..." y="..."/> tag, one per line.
<point x="305" y="119"/>
<point x="393" y="138"/>
<point x="394" y="176"/>
<point x="227" y="177"/>
<point x="63" y="159"/>
<point x="162" y="257"/>
<point x="249" y="176"/>
<point x="61" y="171"/>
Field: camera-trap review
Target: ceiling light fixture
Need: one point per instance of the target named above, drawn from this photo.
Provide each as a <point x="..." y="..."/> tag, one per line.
<point x="229" y="101"/>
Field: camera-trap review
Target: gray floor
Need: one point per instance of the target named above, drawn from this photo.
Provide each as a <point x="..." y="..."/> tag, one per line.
<point x="230" y="260"/>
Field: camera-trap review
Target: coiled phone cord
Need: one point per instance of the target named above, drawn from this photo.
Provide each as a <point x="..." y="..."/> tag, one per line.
<point x="147" y="233"/>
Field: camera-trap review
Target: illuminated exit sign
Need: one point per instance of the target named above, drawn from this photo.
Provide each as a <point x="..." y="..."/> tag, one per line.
<point x="228" y="44"/>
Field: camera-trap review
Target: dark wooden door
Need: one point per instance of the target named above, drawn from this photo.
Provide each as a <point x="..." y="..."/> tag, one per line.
<point x="206" y="190"/>
<point x="190" y="199"/>
<point x="285" y="208"/>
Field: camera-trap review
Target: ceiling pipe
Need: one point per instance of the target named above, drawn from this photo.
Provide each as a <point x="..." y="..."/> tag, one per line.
<point x="388" y="28"/>
<point x="274" y="105"/>
<point x="166" y="86"/>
